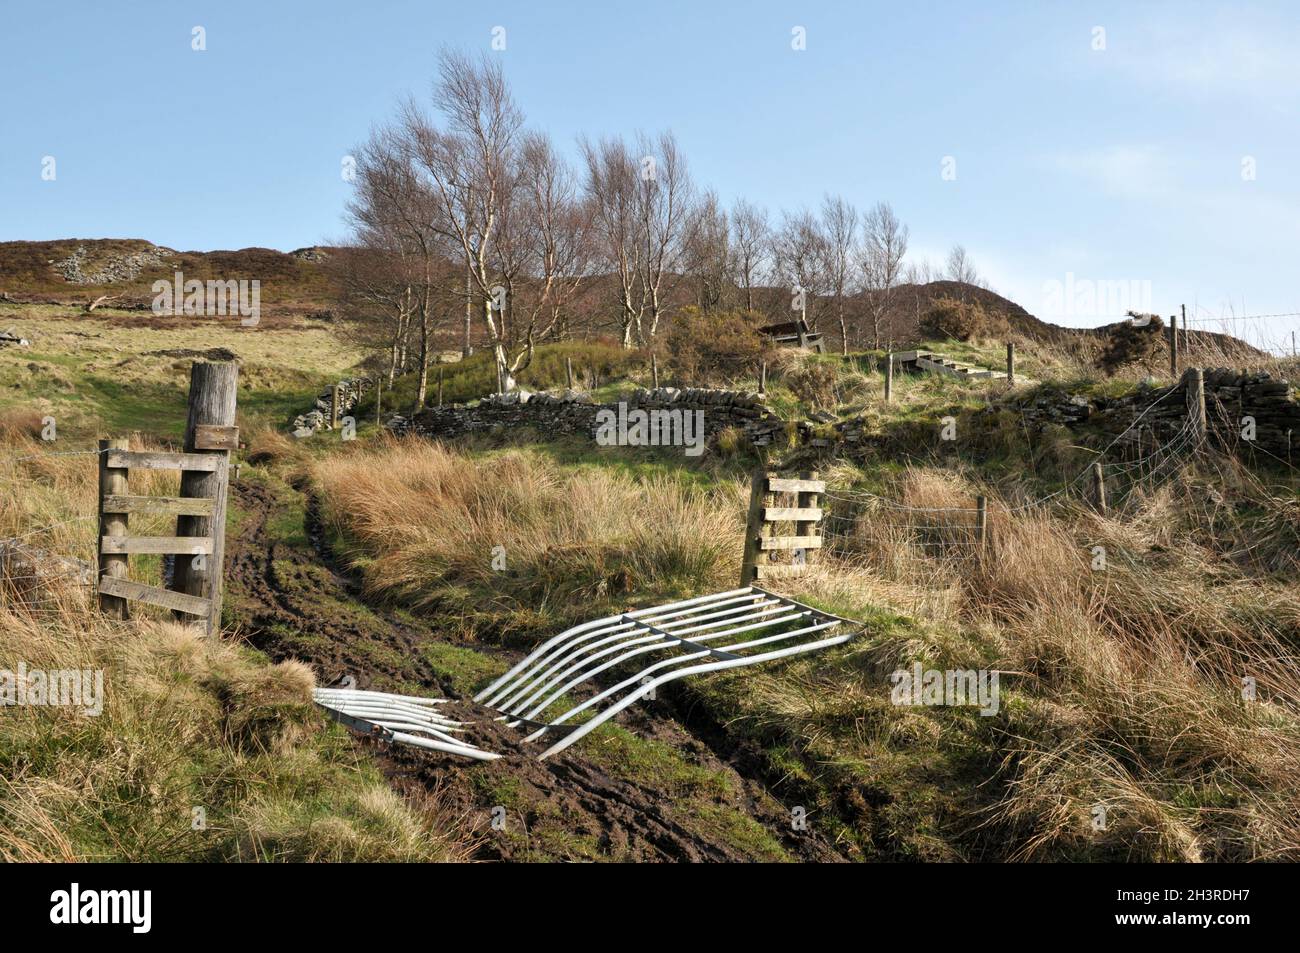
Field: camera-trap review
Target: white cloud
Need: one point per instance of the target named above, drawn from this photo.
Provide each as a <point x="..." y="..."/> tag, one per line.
<point x="1213" y="55"/>
<point x="1128" y="171"/>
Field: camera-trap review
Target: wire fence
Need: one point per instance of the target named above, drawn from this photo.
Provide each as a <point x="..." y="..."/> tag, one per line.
<point x="38" y="576"/>
<point x="855" y="519"/>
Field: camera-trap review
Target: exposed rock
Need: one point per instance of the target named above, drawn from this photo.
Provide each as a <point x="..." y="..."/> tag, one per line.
<point x="125" y="267"/>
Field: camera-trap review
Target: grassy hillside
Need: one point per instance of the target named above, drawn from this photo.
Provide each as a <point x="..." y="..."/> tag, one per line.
<point x="105" y="373"/>
<point x="1121" y="687"/>
<point x="188" y="722"/>
<point x="293" y="285"/>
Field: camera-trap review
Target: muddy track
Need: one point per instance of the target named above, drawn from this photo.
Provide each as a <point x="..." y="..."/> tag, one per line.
<point x="296" y="602"/>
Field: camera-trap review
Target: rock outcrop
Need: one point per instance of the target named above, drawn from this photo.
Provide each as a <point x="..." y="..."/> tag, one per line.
<point x="114" y="268"/>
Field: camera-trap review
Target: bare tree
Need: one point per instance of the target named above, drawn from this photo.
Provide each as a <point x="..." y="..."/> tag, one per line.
<point x="544" y="246"/>
<point x="799" y="258"/>
<point x="917" y="275"/>
<point x="960" y="268"/>
<point x="663" y="218"/>
<point x="751" y="240"/>
<point x="709" y="257"/>
<point x="468" y="169"/>
<point x="378" y="295"/>
<point x="884" y="247"/>
<point x="839" y="230"/>
<point x="611" y="186"/>
<point x="392" y="213"/>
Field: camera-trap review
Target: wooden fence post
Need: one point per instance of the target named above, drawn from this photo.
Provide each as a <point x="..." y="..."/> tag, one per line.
<point x="1099" y="488"/>
<point x="654" y="371"/>
<point x="334" y="404"/>
<point x="213" y="393"/>
<point x="1173" y="345"/>
<point x="762" y="377"/>
<point x="568" y="372"/>
<point x="806" y="527"/>
<point x="754" y="526"/>
<point x="889" y="376"/>
<point x="112" y="482"/>
<point x="981" y="520"/>
<point x="1195" y="382"/>
<point x="1011" y="364"/>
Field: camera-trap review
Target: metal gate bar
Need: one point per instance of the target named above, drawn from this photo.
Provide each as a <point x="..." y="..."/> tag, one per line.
<point x="575" y="656"/>
<point x="398" y="718"/>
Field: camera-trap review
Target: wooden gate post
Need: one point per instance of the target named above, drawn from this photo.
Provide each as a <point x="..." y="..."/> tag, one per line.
<point x="210" y="429"/>
<point x="754" y="526"/>
<point x="1173" y="345"/>
<point x="113" y="481"/>
<point x="1195" y="383"/>
<point x="1099" y="488"/>
<point x="806" y="528"/>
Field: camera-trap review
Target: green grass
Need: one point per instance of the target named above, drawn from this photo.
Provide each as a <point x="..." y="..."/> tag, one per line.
<point x="651" y="763"/>
<point x="464" y="670"/>
<point x="475" y="377"/>
<point x="741" y="831"/>
<point x="96" y="375"/>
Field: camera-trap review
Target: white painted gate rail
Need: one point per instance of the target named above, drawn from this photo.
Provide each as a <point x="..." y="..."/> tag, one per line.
<point x="706" y="634"/>
<point x="405" y="719"/>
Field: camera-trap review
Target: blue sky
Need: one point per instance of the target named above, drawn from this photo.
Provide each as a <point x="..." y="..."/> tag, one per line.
<point x="1115" y="164"/>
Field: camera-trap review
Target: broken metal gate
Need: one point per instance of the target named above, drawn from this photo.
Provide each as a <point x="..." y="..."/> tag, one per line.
<point x="707" y="634"/>
<point x="711" y="633"/>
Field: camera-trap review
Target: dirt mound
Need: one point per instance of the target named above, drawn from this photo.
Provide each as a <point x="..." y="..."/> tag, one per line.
<point x="211" y="354"/>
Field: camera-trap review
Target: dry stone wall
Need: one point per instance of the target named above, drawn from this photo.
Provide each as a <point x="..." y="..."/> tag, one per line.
<point x="574" y="413"/>
<point x="318" y="418"/>
<point x="1230" y="397"/>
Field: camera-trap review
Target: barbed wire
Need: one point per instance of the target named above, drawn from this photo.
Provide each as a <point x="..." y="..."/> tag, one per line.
<point x="843" y="526"/>
<point x="42" y="529"/>
<point x="51" y="453"/>
<point x="1229" y="318"/>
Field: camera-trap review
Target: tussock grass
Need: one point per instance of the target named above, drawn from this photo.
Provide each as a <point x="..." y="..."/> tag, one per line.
<point x="426" y="524"/>
<point x="1126" y="690"/>
<point x="1121" y="687"/>
<point x="187" y="722"/>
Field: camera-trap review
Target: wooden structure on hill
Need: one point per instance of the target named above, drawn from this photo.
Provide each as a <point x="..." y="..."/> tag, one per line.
<point x="794" y="334"/>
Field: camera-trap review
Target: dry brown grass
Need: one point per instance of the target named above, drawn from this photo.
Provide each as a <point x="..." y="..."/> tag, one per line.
<point x="187" y="721"/>
<point x="424" y="523"/>
<point x="1129" y="678"/>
